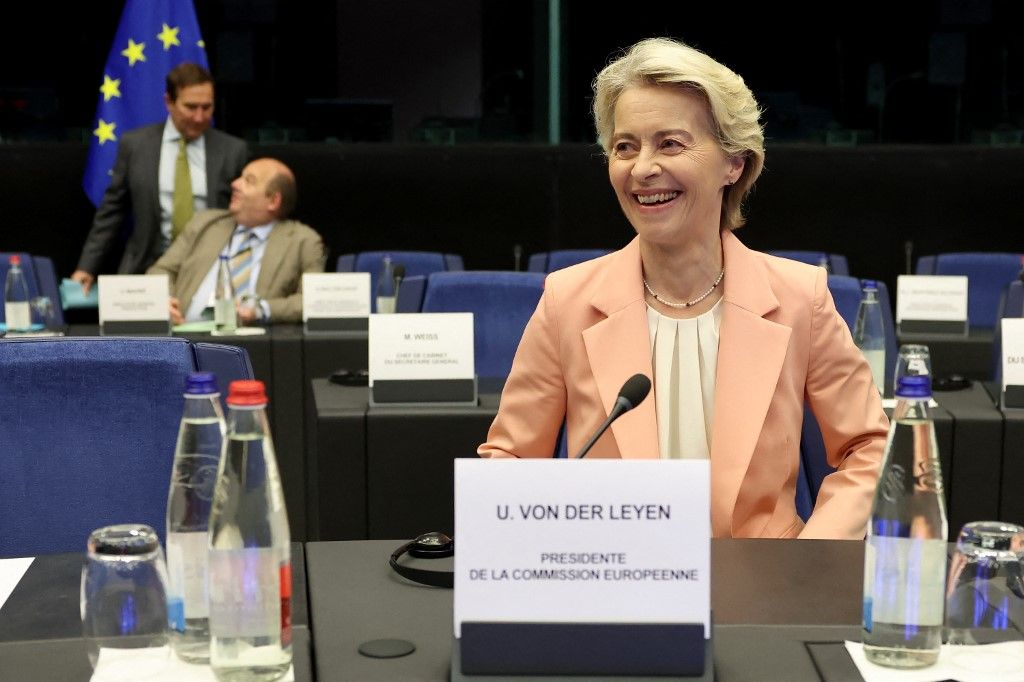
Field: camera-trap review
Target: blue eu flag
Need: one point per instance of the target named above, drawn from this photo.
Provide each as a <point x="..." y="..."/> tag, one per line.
<point x="153" y="37"/>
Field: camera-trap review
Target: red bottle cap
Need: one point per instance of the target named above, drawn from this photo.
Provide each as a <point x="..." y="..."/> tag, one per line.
<point x="247" y="393"/>
<point x="14" y="260"/>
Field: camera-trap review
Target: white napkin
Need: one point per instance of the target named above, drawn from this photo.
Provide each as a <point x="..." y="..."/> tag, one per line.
<point x="155" y="664"/>
<point x="1001" y="662"/>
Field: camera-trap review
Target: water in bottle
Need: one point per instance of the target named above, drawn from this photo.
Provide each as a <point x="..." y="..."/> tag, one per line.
<point x="386" y="287"/>
<point x="200" y="441"/>
<point x="250" y="559"/>
<point x="869" y="332"/>
<point x="17" y="310"/>
<point x="905" y="553"/>
<point x="224" y="319"/>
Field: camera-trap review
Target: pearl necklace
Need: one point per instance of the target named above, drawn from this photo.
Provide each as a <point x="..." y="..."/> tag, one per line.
<point x="687" y="304"/>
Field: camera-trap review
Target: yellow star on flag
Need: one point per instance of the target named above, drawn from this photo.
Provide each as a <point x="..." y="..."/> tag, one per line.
<point x="111" y="87"/>
<point x="105" y="131"/>
<point x="134" y="52"/>
<point x="169" y="36"/>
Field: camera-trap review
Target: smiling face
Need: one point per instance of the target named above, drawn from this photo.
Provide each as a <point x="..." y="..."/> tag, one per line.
<point x="251" y="204"/>
<point x="666" y="165"/>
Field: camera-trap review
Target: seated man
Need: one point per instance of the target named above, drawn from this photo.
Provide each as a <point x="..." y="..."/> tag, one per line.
<point x="268" y="254"/>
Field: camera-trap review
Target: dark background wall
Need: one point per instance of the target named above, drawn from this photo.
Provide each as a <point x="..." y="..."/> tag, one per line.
<point x="482" y="200"/>
<point x="453" y="93"/>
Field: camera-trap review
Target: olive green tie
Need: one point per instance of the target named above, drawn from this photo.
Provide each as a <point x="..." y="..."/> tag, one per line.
<point x="181" y="204"/>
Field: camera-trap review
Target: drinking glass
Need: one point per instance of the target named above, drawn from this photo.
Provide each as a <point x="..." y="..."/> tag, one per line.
<point x="985" y="595"/>
<point x="124" y="603"/>
<point x="912" y="360"/>
<point x="250" y="302"/>
<point x="42" y="312"/>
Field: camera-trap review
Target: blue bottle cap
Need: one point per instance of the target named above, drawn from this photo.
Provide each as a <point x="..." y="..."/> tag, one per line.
<point x="914" y="387"/>
<point x="201" y="383"/>
<point x="869" y="284"/>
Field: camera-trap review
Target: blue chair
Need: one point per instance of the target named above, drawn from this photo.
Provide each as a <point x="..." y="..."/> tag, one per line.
<point x="410" y="294"/>
<point x="549" y="261"/>
<point x="501" y="303"/>
<point x="846" y="292"/>
<point x="416" y="263"/>
<point x="228" y="363"/>
<point x="925" y="266"/>
<point x="837" y="263"/>
<point x="1011" y="305"/>
<point x="87" y="431"/>
<point x="987" y="276"/>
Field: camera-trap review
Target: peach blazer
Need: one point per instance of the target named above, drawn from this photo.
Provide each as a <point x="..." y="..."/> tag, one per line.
<point x="782" y="343"/>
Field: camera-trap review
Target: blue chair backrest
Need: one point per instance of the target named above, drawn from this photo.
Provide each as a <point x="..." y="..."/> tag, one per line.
<point x="87" y="435"/>
<point x="27" y="267"/>
<point x="410" y="294"/>
<point x="549" y="261"/>
<point x="229" y="363"/>
<point x="501" y="303"/>
<point x="987" y="276"/>
<point x="846" y="292"/>
<point x="925" y="266"/>
<point x="837" y="263"/>
<point x="1011" y="305"/>
<point x="415" y="262"/>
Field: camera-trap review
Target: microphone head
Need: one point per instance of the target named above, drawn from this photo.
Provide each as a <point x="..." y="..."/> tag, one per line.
<point x="399" y="271"/>
<point x="635" y="390"/>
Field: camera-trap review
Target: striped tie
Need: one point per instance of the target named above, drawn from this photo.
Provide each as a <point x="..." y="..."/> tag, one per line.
<point x="181" y="200"/>
<point x="241" y="265"/>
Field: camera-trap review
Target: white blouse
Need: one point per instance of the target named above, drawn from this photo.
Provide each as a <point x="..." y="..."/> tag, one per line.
<point x="684" y="354"/>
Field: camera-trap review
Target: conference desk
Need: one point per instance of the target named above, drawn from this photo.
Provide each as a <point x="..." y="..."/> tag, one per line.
<point x="41" y="627"/>
<point x="781" y="608"/>
<point x="387" y="471"/>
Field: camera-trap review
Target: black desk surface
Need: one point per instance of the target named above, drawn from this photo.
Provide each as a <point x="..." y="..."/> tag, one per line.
<point x="770" y="599"/>
<point x="41" y="627"/>
<point x="969" y="355"/>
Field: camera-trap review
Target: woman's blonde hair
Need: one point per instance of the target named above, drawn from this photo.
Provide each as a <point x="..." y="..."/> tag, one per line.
<point x="734" y="111"/>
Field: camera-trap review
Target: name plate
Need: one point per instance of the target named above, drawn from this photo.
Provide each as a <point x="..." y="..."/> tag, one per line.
<point x="335" y="301"/>
<point x="421" y="357"/>
<point x="931" y="304"/>
<point x="134" y="304"/>
<point x="1013" y="362"/>
<point x="582" y="541"/>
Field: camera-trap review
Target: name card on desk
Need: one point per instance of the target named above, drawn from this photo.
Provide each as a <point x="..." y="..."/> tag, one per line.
<point x="931" y="304"/>
<point x="422" y="357"/>
<point x="1013" y="362"/>
<point x="134" y="304"/>
<point x="335" y="301"/>
<point x="582" y="541"/>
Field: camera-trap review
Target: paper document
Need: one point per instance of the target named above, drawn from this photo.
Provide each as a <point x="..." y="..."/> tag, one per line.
<point x="11" y="571"/>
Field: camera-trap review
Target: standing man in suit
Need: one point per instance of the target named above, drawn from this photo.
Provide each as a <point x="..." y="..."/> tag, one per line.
<point x="267" y="253"/>
<point x="163" y="174"/>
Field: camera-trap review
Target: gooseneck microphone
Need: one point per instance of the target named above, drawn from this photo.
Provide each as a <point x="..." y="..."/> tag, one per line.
<point x="631" y="394"/>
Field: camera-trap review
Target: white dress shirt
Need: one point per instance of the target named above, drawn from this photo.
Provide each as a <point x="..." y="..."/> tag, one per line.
<point x="195" y="152"/>
<point x="205" y="293"/>
<point x="685" y="360"/>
